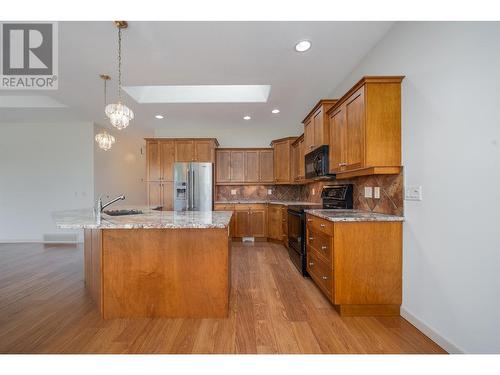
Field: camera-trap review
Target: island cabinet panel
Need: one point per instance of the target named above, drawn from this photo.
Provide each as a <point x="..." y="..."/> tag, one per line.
<point x="173" y="273"/>
<point x="227" y="207"/>
<point x="93" y="265"/>
<point x="357" y="265"/>
<point x="244" y="166"/>
<point x="266" y="166"/>
<point x="365" y="129"/>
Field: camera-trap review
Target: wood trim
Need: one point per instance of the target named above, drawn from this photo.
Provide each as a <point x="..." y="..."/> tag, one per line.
<point x="368" y="171"/>
<point x="244" y="149"/>
<point x="284" y="139"/>
<point x="182" y="139"/>
<point x="299" y="138"/>
<point x="361" y="82"/>
<point x="368" y="310"/>
<point x="319" y="104"/>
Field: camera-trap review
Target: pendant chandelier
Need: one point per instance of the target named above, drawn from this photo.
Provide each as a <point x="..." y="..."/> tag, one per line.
<point x="119" y="114"/>
<point x="104" y="139"/>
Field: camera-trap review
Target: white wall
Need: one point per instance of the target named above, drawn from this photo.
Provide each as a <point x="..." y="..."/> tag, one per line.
<point x="232" y="136"/>
<point x="451" y="133"/>
<point x="122" y="169"/>
<point x="44" y="167"/>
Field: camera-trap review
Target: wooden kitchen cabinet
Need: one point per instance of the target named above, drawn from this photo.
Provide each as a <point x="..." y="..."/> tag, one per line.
<point x="258" y="221"/>
<point x="283" y="160"/>
<point x="200" y="150"/>
<point x="252" y="166"/>
<point x="266" y="166"/>
<point x="204" y="150"/>
<point x="184" y="150"/>
<point x="237" y="166"/>
<point x="316" y="129"/>
<point x="244" y="166"/>
<point x="250" y="220"/>
<point x="274" y="220"/>
<point x="161" y="154"/>
<point x="357" y="265"/>
<point x="223" y="166"/>
<point x="365" y="129"/>
<point x="298" y="163"/>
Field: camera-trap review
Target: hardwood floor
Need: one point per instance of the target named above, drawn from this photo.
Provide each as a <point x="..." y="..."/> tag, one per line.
<point x="44" y="308"/>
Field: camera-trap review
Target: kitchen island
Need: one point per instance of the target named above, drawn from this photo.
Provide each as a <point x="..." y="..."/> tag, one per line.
<point x="157" y="263"/>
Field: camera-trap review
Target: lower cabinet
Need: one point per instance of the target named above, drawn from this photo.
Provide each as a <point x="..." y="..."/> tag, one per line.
<point x="357" y="265"/>
<point x="250" y="220"/>
<point x="274" y="219"/>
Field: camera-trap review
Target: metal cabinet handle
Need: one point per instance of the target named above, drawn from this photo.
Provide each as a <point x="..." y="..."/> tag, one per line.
<point x="342" y="164"/>
<point x="309" y="219"/>
<point x="311" y="238"/>
<point x="322" y="225"/>
<point x="324" y="277"/>
<point x="311" y="264"/>
<point x="323" y="247"/>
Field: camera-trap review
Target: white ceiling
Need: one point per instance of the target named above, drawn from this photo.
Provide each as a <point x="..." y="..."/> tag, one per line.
<point x="201" y="53"/>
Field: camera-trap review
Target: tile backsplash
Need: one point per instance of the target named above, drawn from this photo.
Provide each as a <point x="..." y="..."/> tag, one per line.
<point x="390" y="202"/>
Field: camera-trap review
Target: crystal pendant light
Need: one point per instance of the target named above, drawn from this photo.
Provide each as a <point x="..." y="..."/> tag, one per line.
<point x="119" y="114"/>
<point x="104" y="139"/>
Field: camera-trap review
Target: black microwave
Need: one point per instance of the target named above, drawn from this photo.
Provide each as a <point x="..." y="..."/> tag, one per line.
<point x="316" y="163"/>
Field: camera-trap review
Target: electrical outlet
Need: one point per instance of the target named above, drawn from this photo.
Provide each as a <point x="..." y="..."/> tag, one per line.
<point x="233" y="191"/>
<point x="376" y="192"/>
<point x="313" y="191"/>
<point x="269" y="191"/>
<point x="413" y="193"/>
<point x="368" y="192"/>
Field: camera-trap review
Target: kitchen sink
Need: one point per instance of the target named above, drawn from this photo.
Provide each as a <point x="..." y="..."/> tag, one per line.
<point x="122" y="212"/>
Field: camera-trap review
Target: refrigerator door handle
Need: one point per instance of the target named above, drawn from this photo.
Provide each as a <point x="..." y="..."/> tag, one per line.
<point x="193" y="203"/>
<point x="188" y="207"/>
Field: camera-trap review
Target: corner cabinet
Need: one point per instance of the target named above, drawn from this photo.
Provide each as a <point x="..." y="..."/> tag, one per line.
<point x="283" y="160"/>
<point x="316" y="129"/>
<point x="161" y="154"/>
<point x="365" y="129"/>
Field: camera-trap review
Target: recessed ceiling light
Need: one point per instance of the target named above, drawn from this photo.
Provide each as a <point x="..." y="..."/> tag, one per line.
<point x="276" y="110"/>
<point x="303" y="46"/>
<point x="159" y="117"/>
<point x="246" y="117"/>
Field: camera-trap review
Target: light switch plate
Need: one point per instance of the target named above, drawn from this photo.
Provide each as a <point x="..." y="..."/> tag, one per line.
<point x="368" y="192"/>
<point x="233" y="191"/>
<point x="269" y="191"/>
<point x="413" y="193"/>
<point x="376" y="192"/>
<point x="313" y="191"/>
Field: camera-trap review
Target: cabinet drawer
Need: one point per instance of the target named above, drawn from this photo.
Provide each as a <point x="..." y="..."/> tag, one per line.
<point x="321" y="273"/>
<point x="223" y="207"/>
<point x="321" y="225"/>
<point x="320" y="242"/>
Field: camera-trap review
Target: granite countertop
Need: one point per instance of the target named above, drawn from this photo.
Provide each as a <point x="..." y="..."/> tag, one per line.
<point x="285" y="203"/>
<point x="353" y="215"/>
<point x="153" y="219"/>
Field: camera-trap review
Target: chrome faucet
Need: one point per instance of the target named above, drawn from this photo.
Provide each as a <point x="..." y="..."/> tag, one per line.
<point x="101" y="206"/>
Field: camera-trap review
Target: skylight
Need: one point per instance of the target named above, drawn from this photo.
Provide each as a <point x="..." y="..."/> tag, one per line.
<point x="200" y="94"/>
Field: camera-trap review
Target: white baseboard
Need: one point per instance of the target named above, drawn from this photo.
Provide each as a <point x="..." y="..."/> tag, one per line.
<point x="24" y="240"/>
<point x="431" y="333"/>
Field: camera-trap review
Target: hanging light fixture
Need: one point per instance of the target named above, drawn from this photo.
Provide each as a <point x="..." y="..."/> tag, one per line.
<point x="104" y="139"/>
<point x="119" y="114"/>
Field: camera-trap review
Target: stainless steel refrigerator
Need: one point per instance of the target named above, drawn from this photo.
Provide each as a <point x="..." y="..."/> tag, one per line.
<point x="193" y="187"/>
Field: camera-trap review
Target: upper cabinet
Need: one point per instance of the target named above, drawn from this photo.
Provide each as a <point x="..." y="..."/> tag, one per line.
<point x="298" y="164"/>
<point x="244" y="166"/>
<point x="283" y="160"/>
<point x="365" y="129"/>
<point x="197" y="150"/>
<point x="316" y="129"/>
